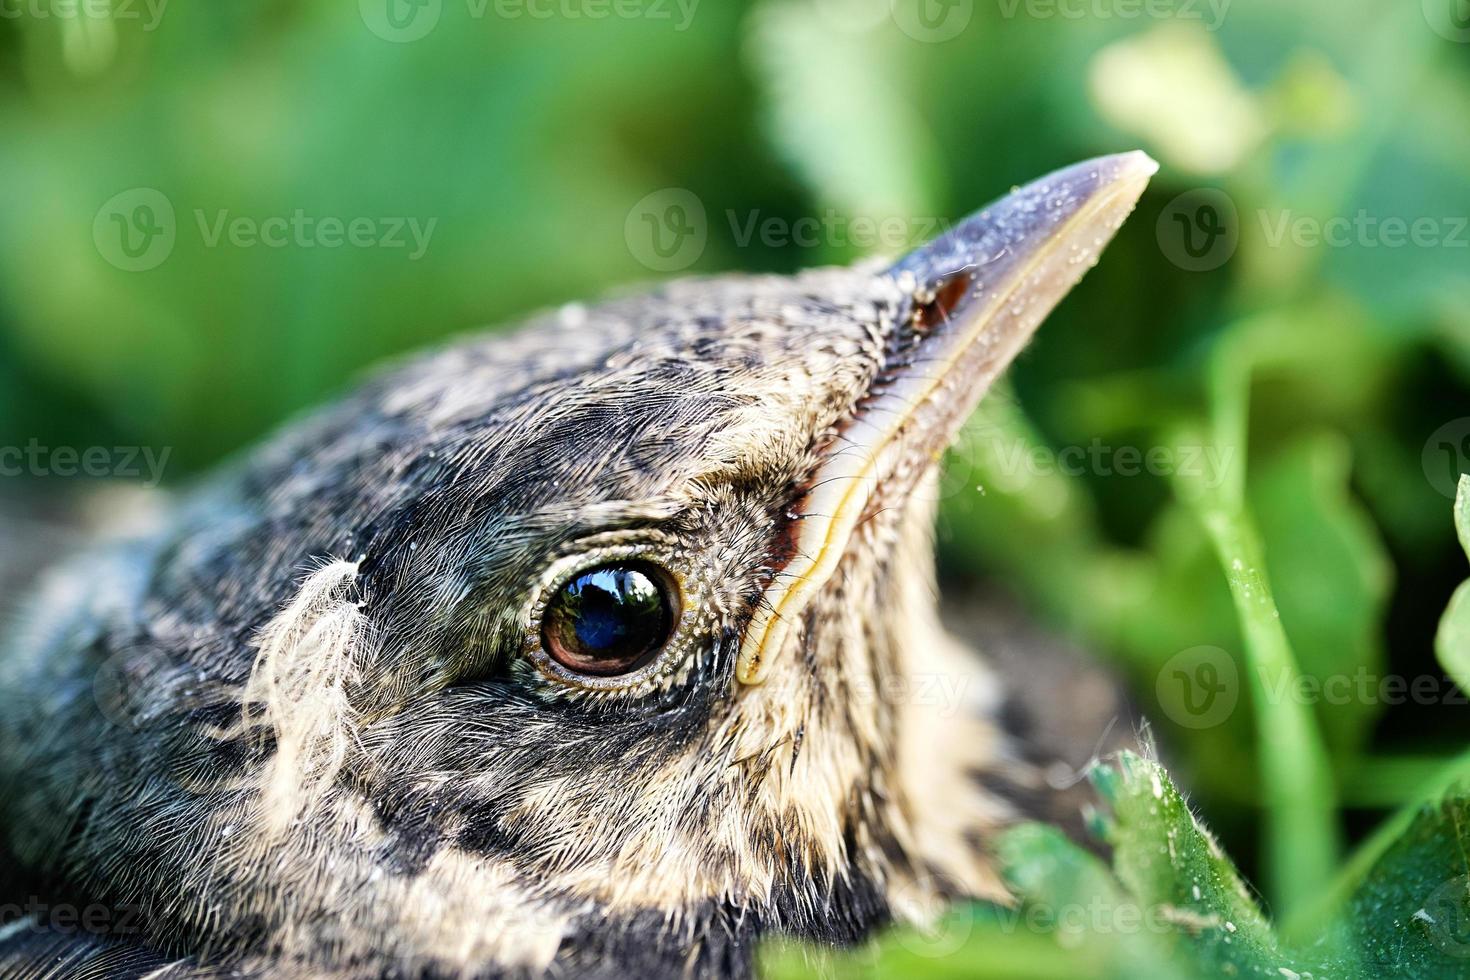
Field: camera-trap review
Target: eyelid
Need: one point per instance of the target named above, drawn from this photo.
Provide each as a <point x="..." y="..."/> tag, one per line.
<point x="629" y="546"/>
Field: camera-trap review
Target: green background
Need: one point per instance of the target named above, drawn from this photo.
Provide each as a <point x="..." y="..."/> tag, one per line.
<point x="1333" y="374"/>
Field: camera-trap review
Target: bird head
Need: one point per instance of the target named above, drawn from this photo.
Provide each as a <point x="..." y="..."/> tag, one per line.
<point x="561" y="649"/>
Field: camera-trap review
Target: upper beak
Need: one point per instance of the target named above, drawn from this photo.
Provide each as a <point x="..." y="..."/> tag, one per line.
<point x="967" y="302"/>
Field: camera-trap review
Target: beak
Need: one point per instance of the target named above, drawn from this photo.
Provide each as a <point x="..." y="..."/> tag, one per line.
<point x="967" y="303"/>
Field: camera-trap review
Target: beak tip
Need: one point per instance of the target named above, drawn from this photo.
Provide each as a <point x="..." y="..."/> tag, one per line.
<point x="1130" y="171"/>
<point x="1030" y="218"/>
<point x="1135" y="163"/>
<point x="1120" y="177"/>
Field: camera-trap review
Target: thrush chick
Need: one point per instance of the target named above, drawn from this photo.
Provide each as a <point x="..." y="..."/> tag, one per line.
<point x="566" y="652"/>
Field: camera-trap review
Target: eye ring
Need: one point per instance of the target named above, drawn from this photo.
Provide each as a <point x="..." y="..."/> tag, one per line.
<point x="658" y="666"/>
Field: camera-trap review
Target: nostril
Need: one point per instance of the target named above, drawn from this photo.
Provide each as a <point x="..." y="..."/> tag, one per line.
<point x="945" y="295"/>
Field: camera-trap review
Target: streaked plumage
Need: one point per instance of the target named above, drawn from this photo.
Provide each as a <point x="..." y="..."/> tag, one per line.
<point x="304" y="725"/>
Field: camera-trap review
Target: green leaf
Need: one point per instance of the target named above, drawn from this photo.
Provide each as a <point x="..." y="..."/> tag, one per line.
<point x="840" y="123"/>
<point x="1330" y="575"/>
<point x="1447" y="779"/>
<point x="1173" y="904"/>
<point x="1073" y="898"/>
<point x="1452" y="641"/>
<point x="1169" y="863"/>
<point x="1462" y="513"/>
<point x="1302" y="834"/>
<point x="1410" y="914"/>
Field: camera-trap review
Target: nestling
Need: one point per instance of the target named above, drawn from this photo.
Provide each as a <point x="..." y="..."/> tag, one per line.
<point x="552" y="652"/>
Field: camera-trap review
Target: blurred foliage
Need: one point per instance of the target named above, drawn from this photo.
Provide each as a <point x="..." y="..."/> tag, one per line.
<point x="1173" y="905"/>
<point x="1304" y="380"/>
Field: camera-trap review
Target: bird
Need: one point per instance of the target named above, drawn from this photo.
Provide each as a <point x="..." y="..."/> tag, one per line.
<point x="559" y="651"/>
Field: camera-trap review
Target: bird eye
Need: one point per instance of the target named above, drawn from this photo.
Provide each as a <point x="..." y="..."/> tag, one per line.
<point x="610" y="619"/>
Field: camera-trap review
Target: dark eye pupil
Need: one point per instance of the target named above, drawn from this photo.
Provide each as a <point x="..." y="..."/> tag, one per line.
<point x="611" y="619"/>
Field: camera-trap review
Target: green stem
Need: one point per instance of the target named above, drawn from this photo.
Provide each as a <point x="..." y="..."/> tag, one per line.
<point x="1302" y="834"/>
<point x="1302" y="837"/>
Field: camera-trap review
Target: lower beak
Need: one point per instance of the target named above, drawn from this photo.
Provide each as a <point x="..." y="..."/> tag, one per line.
<point x="966" y="303"/>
